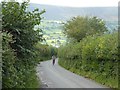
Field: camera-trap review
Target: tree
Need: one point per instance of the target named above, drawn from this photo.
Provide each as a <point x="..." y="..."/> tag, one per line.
<point x="20" y="23"/>
<point x="80" y="27"/>
<point x="18" y="42"/>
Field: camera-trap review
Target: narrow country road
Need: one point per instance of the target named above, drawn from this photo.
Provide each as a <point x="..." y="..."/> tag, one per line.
<point x="58" y="77"/>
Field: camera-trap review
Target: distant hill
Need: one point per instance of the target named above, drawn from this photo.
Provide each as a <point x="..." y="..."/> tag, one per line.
<point x="65" y="13"/>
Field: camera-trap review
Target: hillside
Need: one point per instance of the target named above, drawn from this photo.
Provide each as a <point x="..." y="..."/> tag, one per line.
<point x="65" y="13"/>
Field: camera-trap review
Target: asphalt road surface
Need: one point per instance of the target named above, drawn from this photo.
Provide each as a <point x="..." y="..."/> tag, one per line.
<point x="58" y="77"/>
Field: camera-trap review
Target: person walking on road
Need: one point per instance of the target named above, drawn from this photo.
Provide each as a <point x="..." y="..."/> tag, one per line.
<point x="53" y="58"/>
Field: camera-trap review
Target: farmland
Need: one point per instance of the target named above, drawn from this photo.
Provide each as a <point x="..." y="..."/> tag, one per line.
<point x="52" y="32"/>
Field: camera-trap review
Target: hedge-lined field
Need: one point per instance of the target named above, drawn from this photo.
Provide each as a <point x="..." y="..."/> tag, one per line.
<point x="94" y="57"/>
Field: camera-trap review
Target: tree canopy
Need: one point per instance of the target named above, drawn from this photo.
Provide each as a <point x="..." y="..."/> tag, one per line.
<point x="80" y="27"/>
<point x="19" y="22"/>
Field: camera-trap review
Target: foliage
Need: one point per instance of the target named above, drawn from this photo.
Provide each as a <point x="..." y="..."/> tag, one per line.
<point x="8" y="59"/>
<point x="92" y="51"/>
<point x="45" y="52"/>
<point x="19" y="38"/>
<point x="20" y="23"/>
<point x="80" y="27"/>
<point x="94" y="57"/>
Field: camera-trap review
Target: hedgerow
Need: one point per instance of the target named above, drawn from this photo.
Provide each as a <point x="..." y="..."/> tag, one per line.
<point x="19" y="58"/>
<point x="94" y="57"/>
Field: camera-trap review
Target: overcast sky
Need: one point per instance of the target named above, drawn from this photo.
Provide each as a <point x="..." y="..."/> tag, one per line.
<point x="77" y="3"/>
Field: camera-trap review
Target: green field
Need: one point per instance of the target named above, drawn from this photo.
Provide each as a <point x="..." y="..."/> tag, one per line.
<point x="52" y="31"/>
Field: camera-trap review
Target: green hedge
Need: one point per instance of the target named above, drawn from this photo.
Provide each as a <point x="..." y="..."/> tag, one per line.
<point x="15" y="73"/>
<point x="19" y="58"/>
<point x="94" y="57"/>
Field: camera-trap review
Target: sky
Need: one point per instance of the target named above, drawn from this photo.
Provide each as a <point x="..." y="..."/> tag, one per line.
<point x="77" y="3"/>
